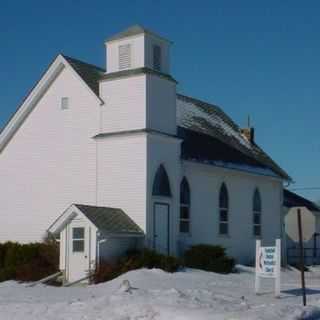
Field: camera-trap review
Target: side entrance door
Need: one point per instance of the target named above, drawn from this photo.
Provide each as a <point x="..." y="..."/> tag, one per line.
<point x="161" y="227"/>
<point x="78" y="251"/>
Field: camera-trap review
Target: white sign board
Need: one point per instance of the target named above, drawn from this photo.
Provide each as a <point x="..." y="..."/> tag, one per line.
<point x="267" y="261"/>
<point x="268" y="264"/>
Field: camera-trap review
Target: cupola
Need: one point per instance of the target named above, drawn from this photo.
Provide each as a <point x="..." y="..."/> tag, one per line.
<point x="135" y="48"/>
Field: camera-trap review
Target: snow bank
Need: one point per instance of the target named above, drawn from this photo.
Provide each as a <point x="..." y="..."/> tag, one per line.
<point x="157" y="295"/>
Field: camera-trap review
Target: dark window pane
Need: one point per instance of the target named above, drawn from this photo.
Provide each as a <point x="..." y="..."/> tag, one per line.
<point x="161" y="186"/>
<point x="223" y="215"/>
<point x="78" y="245"/>
<point x="223" y="228"/>
<point x="184" y="212"/>
<point x="257" y="230"/>
<point x="184" y="226"/>
<point x="78" y="233"/>
<point x="256" y="201"/>
<point x="184" y="192"/>
<point x="157" y="58"/>
<point x="256" y="218"/>
<point x="223" y="197"/>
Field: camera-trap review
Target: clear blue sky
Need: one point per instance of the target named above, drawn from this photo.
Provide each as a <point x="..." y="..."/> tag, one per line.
<point x="250" y="57"/>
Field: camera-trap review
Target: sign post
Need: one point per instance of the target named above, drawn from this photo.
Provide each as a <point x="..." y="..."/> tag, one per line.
<point x="304" y="299"/>
<point x="268" y="265"/>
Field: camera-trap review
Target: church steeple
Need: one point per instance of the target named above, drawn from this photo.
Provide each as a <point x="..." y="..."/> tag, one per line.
<point x="137" y="87"/>
<point x="137" y="47"/>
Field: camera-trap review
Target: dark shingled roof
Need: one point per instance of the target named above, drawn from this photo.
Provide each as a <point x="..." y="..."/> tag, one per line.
<point x="209" y="135"/>
<point x="89" y="73"/>
<point x="291" y="199"/>
<point x="110" y="220"/>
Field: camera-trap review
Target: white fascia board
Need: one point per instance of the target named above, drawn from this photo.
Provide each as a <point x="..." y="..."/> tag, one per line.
<point x="31" y="100"/>
<point x="66" y="217"/>
<point x="35" y="95"/>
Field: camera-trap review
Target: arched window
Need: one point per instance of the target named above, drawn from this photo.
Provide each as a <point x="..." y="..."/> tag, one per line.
<point x="161" y="185"/>
<point x="256" y="208"/>
<point x="223" y="210"/>
<point x="184" y="206"/>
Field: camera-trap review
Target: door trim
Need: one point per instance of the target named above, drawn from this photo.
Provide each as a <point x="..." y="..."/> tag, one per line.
<point x="154" y="223"/>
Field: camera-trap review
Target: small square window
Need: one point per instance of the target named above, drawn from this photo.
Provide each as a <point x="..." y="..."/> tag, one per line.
<point x="64" y="103"/>
<point x="78" y="233"/>
<point x="78" y="246"/>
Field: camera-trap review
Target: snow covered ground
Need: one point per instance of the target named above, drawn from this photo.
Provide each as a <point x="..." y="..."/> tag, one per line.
<point x="156" y="295"/>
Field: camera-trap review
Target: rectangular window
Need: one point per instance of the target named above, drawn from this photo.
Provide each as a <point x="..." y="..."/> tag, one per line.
<point x="184" y="218"/>
<point x="124" y="56"/>
<point x="78" y="239"/>
<point x="64" y="103"/>
<point x="257" y="230"/>
<point x="223" y="222"/>
<point x="257" y="224"/>
<point x="157" y="58"/>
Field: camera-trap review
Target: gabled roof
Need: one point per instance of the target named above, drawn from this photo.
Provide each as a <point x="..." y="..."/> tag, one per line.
<point x="110" y="220"/>
<point x="89" y="73"/>
<point x="209" y="135"/>
<point x="132" y="31"/>
<point x="291" y="199"/>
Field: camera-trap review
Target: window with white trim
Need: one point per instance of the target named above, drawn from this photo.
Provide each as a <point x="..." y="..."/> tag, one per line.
<point x="124" y="56"/>
<point x="223" y="210"/>
<point x="78" y="239"/>
<point x="64" y="103"/>
<point x="184" y="206"/>
<point x="256" y="208"/>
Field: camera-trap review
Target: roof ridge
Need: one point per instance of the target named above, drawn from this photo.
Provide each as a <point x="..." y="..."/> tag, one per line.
<point x="83" y="62"/>
<point x="94" y="206"/>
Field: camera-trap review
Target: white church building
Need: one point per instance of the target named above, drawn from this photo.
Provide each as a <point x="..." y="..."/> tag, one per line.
<point x="118" y="152"/>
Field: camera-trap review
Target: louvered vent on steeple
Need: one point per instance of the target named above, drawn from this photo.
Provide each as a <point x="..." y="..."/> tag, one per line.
<point x="124" y="56"/>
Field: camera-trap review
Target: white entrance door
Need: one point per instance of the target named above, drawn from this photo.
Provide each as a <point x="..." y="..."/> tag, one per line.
<point x="161" y="227"/>
<point x="78" y="251"/>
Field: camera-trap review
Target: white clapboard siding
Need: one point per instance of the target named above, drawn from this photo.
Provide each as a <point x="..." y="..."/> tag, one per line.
<point x="122" y="175"/>
<point x="161" y="104"/>
<point x="125" y="104"/>
<point x="205" y="182"/>
<point x="50" y="161"/>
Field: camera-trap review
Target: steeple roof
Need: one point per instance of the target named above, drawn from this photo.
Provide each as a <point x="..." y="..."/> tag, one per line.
<point x="132" y="31"/>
